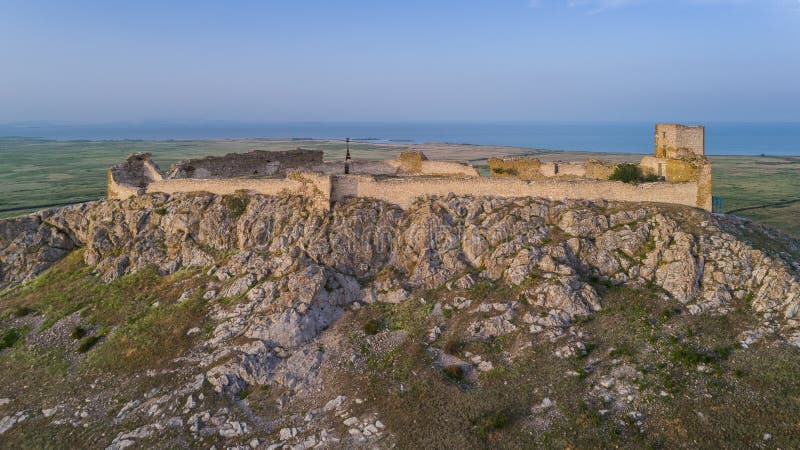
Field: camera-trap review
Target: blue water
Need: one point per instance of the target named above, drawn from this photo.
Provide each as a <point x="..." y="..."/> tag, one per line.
<point x="725" y="138"/>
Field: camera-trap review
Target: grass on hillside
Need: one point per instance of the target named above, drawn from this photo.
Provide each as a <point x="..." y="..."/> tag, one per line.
<point x="743" y="394"/>
<point x="127" y="327"/>
<point x="740" y="395"/>
<point x="137" y="321"/>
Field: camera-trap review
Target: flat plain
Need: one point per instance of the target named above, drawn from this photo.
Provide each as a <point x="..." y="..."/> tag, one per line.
<point x="37" y="174"/>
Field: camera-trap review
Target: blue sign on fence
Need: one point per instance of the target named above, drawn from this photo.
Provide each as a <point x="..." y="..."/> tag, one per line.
<point x="716" y="204"/>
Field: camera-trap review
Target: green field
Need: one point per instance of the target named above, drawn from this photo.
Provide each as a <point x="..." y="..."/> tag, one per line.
<point x="765" y="189"/>
<point x="36" y="174"/>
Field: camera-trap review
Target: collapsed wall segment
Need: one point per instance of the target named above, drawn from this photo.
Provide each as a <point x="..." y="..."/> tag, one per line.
<point x="254" y="163"/>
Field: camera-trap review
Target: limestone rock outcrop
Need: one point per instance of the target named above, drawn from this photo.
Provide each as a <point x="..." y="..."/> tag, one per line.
<point x="283" y="272"/>
<point x="692" y="255"/>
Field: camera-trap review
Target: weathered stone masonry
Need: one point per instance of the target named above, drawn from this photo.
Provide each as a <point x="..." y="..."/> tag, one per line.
<point x="678" y="157"/>
<point x="255" y="163"/>
<point x="403" y="191"/>
<point x="686" y="172"/>
<point x="679" y="141"/>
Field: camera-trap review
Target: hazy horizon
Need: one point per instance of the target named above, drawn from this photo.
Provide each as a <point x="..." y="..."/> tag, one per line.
<point x="446" y="61"/>
<point x="740" y="138"/>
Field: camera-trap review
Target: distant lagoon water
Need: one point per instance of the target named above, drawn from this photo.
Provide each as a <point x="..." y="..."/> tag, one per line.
<point x="724" y="138"/>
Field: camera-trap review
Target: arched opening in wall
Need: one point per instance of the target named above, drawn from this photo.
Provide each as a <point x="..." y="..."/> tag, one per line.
<point x="555" y="168"/>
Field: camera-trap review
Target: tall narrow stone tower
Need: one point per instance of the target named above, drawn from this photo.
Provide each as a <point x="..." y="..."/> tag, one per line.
<point x="675" y="141"/>
<point x="679" y="157"/>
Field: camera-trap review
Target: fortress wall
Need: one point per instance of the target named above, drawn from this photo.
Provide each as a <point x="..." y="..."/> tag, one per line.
<point x="447" y="168"/>
<point x="257" y="162"/>
<point x="316" y="187"/>
<point x="343" y="186"/>
<point x="127" y="180"/>
<point x="151" y="170"/>
<point x="704" y="187"/>
<point x="674" y="170"/>
<point x="410" y="161"/>
<point x="118" y="190"/>
<point x="678" y="171"/>
<point x="137" y="170"/>
<point x="417" y="163"/>
<point x="522" y="168"/>
<point x="131" y="176"/>
<point x="571" y="169"/>
<point x="373" y="167"/>
<point x="649" y="165"/>
<point x="532" y="169"/>
<point x="362" y="166"/>
<point x="599" y="170"/>
<point x="323" y="189"/>
<point x="403" y="191"/>
<point x="678" y="157"/>
<point x="564" y="170"/>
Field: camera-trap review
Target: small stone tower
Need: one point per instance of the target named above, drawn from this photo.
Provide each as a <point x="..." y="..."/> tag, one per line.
<point x="675" y="141"/>
<point x="679" y="157"/>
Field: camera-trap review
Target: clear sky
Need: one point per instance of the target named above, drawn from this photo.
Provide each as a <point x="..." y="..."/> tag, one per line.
<point x="409" y="60"/>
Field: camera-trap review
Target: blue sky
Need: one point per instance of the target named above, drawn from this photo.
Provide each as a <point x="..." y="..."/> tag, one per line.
<point x="426" y="60"/>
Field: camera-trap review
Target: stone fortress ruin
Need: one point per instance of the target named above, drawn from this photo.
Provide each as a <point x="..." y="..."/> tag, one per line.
<point x="678" y="164"/>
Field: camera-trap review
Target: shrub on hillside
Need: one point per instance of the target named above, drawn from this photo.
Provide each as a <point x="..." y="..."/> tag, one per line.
<point x="372" y="327"/>
<point x="235" y="204"/>
<point x="9" y="338"/>
<point x="454" y="372"/>
<point x="78" y="332"/>
<point x="627" y="173"/>
<point x="501" y="171"/>
<point x="87" y="343"/>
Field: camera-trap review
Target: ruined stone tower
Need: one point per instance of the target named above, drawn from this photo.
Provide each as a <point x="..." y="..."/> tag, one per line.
<point x="679" y="157"/>
<point x="679" y="141"/>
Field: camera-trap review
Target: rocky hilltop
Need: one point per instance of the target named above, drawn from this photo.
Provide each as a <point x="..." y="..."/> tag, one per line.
<point x="248" y="321"/>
